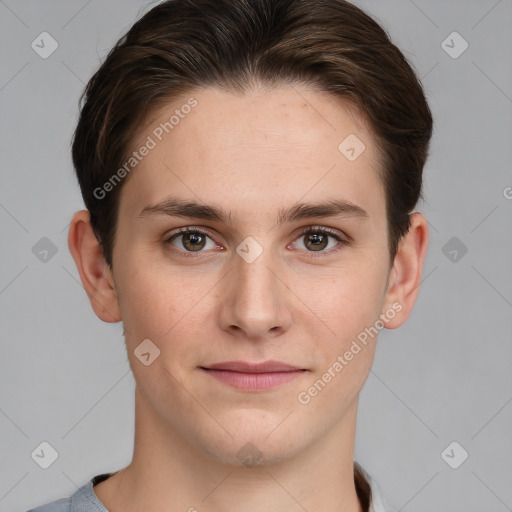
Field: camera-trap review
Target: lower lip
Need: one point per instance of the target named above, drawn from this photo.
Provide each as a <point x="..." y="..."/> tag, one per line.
<point x="254" y="381"/>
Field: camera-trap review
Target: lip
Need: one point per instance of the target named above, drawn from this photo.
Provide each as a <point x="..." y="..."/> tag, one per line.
<point x="245" y="367"/>
<point x="253" y="376"/>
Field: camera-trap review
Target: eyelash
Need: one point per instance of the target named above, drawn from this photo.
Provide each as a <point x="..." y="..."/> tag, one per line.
<point x="343" y="239"/>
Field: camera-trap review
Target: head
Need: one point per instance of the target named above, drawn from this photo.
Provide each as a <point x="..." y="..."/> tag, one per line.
<point x="270" y="117"/>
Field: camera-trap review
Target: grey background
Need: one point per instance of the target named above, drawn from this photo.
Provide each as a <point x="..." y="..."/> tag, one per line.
<point x="442" y="377"/>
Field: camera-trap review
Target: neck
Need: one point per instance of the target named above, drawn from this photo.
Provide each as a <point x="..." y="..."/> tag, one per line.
<point x="168" y="473"/>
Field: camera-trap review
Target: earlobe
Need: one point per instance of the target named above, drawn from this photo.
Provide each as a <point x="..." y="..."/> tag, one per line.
<point x="94" y="273"/>
<point x="405" y="275"/>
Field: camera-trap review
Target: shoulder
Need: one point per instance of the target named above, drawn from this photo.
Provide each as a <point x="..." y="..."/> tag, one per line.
<point x="83" y="500"/>
<point x="62" y="505"/>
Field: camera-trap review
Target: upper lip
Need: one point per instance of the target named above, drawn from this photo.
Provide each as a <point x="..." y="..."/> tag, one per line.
<point x="245" y="367"/>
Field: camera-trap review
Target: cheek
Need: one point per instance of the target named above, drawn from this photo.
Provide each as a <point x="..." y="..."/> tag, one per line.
<point x="166" y="305"/>
<point x="149" y="300"/>
<point x="349" y="308"/>
<point x="347" y="298"/>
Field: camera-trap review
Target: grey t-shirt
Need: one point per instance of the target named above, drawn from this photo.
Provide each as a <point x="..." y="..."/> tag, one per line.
<point x="85" y="500"/>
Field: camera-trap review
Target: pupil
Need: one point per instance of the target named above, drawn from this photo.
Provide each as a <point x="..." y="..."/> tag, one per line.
<point x="192" y="239"/>
<point x="318" y="240"/>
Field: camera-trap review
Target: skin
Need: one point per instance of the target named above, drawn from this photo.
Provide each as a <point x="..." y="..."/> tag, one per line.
<point x="252" y="154"/>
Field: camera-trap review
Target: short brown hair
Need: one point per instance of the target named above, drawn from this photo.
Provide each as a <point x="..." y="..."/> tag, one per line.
<point x="229" y="44"/>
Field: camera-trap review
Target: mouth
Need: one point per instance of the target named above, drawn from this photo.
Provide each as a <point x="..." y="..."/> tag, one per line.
<point x="253" y="376"/>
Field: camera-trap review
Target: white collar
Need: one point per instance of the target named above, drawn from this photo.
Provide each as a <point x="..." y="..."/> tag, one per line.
<point x="378" y="502"/>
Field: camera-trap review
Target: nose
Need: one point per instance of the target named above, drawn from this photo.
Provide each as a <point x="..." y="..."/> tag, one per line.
<point x="255" y="301"/>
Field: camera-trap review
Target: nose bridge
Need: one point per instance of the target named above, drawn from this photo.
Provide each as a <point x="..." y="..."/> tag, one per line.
<point x="256" y="284"/>
<point x="256" y="278"/>
<point x="256" y="302"/>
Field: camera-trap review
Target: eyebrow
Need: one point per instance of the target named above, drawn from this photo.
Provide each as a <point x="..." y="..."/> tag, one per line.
<point x="176" y="207"/>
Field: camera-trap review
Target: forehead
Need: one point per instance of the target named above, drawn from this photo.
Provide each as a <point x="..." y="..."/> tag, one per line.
<point x="260" y="149"/>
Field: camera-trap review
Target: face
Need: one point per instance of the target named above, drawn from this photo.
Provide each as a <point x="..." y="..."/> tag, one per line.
<point x="259" y="276"/>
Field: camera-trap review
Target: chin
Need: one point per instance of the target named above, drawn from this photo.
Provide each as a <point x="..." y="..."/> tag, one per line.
<point x="261" y="445"/>
<point x="249" y="454"/>
<point x="256" y="437"/>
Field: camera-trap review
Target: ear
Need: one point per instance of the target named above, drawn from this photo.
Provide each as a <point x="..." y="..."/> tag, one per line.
<point x="95" y="274"/>
<point x="405" y="275"/>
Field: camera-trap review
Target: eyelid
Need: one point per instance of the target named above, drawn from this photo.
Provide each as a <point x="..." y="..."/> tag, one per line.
<point x="331" y="231"/>
<point x="189" y="229"/>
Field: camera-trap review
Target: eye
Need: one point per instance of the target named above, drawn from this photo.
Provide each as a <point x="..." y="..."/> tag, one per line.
<point x="192" y="240"/>
<point x="317" y="239"/>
